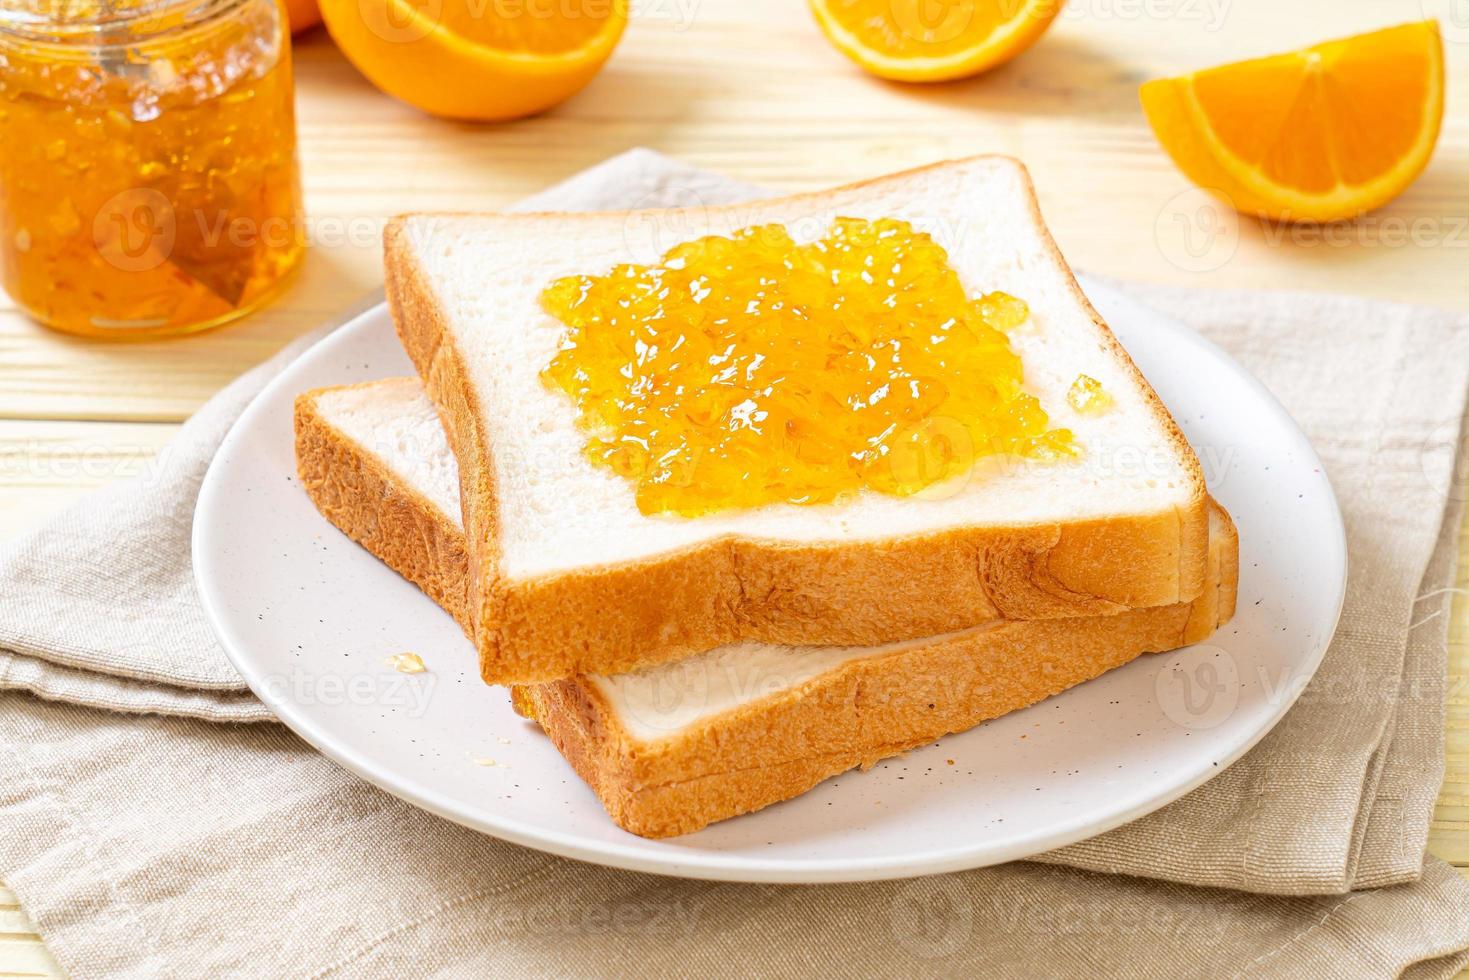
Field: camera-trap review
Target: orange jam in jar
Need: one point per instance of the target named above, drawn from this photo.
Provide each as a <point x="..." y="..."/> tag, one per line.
<point x="148" y="182"/>
<point x="747" y="370"/>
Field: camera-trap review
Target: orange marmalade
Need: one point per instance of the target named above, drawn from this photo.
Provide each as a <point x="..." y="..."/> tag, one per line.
<point x="748" y="370"/>
<point x="148" y="182"/>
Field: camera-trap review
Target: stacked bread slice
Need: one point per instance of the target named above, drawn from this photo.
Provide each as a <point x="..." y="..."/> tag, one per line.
<point x="692" y="669"/>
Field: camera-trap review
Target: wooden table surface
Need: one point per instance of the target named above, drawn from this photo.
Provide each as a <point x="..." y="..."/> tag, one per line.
<point x="750" y="88"/>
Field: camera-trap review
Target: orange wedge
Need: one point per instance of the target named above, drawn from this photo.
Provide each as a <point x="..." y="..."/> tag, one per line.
<point x="1320" y="134"/>
<point x="933" y="40"/>
<point x="477" y="59"/>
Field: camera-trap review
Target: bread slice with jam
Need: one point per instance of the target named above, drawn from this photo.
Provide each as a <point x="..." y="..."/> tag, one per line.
<point x="567" y="575"/>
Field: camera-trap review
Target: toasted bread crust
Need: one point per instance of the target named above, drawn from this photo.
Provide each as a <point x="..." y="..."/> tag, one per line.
<point x="359" y="494"/>
<point x="729" y="590"/>
<point x="777" y="747"/>
<point x="866" y="710"/>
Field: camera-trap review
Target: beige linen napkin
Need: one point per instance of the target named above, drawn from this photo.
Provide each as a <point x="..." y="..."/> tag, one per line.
<point x="157" y="846"/>
<point x="131" y="839"/>
<point x="1380" y="389"/>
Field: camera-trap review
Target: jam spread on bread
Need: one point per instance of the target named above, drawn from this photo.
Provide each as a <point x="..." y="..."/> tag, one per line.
<point x="1087" y="396"/>
<point x="750" y="369"/>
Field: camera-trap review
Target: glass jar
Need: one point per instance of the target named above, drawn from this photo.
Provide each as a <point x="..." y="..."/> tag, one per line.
<point x="148" y="178"/>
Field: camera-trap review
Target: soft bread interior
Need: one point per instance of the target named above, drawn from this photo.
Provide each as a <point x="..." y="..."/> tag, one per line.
<point x="394" y="422"/>
<point x="668" y="700"/>
<point x="557" y="512"/>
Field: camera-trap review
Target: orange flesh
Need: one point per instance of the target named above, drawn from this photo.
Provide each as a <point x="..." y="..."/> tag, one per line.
<point x="751" y="370"/>
<point x="921" y="28"/>
<point x="1343" y="112"/>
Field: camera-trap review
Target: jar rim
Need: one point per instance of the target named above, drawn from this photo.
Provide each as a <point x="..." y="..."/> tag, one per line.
<point x="92" y="24"/>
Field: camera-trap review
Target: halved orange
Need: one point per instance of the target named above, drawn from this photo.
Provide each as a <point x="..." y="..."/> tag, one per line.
<point x="302" y="15"/>
<point x="477" y="59"/>
<point x="933" y="40"/>
<point x="1320" y="134"/>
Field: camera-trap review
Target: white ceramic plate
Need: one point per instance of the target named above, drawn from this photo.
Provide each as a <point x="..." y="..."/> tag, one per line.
<point x="308" y="618"/>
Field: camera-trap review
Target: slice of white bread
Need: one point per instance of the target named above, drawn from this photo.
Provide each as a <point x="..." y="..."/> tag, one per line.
<point x="567" y="576"/>
<point x="673" y="748"/>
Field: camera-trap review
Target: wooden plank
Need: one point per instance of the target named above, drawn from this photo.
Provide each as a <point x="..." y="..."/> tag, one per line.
<point x="14" y="922"/>
<point x="44" y="466"/>
<point x="27" y="958"/>
<point x="22" y="954"/>
<point x="51" y="376"/>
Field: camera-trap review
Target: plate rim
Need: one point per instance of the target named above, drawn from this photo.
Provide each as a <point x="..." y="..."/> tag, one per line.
<point x="719" y="866"/>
